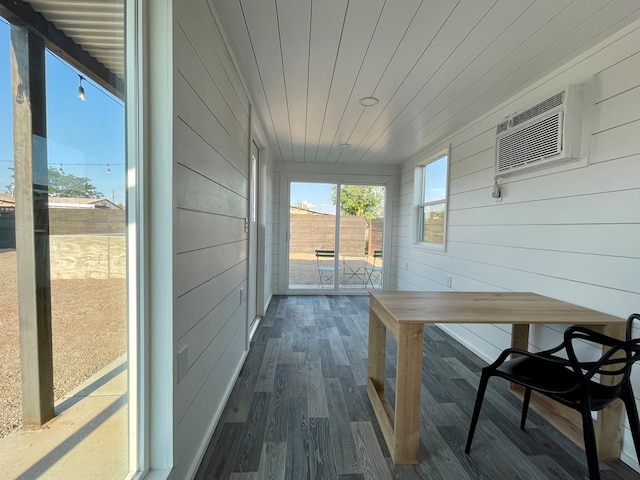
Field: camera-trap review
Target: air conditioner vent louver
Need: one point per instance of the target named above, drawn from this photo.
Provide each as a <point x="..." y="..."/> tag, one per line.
<point x="548" y="104"/>
<point x="544" y="135"/>
<point x="533" y="143"/>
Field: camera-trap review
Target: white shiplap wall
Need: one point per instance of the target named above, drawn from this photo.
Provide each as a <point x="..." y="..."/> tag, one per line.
<point x="571" y="234"/>
<point x="211" y="128"/>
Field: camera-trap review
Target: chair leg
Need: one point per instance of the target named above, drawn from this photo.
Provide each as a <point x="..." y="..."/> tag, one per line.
<point x="482" y="387"/>
<point x="590" y="448"/>
<point x="632" y="413"/>
<point x="368" y="279"/>
<point x="525" y="407"/>
<point x="325" y="278"/>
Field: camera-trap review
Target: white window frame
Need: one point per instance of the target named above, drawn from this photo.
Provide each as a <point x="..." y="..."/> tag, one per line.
<point x="420" y="204"/>
<point x="345" y="176"/>
<point x="150" y="235"/>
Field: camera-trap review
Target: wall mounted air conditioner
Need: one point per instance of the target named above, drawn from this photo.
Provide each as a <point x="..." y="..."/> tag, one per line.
<point x="543" y="135"/>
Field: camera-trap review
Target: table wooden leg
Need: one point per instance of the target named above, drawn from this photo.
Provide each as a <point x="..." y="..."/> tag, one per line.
<point x="520" y="336"/>
<point x="377" y="344"/>
<point x="608" y="424"/>
<point x="408" y="381"/>
<point x="375" y="381"/>
<point x="520" y="340"/>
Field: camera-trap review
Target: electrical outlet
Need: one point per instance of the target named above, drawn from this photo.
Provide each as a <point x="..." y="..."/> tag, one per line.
<point x="241" y="294"/>
<point x="449" y="278"/>
<point x="406" y="265"/>
<point x="183" y="362"/>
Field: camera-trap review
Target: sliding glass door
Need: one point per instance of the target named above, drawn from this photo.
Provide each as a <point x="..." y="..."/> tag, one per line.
<point x="312" y="236"/>
<point x="360" y="239"/>
<point x="335" y="236"/>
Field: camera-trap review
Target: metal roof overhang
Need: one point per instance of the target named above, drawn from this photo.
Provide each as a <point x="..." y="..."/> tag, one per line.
<point x="89" y="34"/>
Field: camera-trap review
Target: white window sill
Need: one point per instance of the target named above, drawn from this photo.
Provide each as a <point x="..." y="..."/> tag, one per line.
<point x="430" y="246"/>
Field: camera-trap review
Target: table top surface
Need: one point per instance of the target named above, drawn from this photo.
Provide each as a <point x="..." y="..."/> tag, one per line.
<point x="483" y="307"/>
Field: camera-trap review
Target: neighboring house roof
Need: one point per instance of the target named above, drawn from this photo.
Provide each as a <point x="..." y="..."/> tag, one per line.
<point x="87" y="201"/>
<point x="71" y="202"/>
<point x="7" y="200"/>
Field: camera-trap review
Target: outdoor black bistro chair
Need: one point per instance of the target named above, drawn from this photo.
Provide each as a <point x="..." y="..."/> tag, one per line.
<point x="571" y="382"/>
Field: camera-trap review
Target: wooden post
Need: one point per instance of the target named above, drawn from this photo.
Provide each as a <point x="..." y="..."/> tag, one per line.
<point x="608" y="426"/>
<point x="32" y="224"/>
<point x="377" y="343"/>
<point x="408" y="385"/>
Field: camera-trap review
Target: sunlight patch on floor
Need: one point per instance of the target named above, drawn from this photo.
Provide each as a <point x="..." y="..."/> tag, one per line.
<point x="86" y="439"/>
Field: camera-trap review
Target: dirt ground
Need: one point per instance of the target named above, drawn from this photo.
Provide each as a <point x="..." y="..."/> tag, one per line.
<point x="303" y="271"/>
<point x="89" y="332"/>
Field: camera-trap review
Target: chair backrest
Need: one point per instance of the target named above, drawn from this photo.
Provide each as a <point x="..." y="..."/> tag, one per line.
<point x="630" y="320"/>
<point x="616" y="362"/>
<point x="376" y="255"/>
<point x="325" y="254"/>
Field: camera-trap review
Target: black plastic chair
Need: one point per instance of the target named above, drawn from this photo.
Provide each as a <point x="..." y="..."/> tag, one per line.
<point x="571" y="382"/>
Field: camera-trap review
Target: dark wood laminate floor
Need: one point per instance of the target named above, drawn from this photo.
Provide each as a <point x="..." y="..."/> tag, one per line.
<point x="300" y="410"/>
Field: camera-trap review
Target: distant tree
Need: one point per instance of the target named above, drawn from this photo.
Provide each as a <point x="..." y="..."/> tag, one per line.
<point x="361" y="200"/>
<point x="10" y="186"/>
<point x="68" y="185"/>
<point x="303" y="205"/>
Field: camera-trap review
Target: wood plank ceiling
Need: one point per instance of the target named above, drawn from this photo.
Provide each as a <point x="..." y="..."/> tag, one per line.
<point x="434" y="65"/>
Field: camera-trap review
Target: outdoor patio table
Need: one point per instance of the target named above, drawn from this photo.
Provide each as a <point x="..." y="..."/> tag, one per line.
<point x="404" y="315"/>
<point x="353" y="267"/>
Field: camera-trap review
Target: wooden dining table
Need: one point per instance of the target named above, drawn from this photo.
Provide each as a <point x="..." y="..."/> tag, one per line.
<point x="404" y="314"/>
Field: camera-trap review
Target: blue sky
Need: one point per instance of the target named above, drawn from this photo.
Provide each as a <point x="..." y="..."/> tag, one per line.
<point x="316" y="195"/>
<point x="435" y="186"/>
<point x="83" y="137"/>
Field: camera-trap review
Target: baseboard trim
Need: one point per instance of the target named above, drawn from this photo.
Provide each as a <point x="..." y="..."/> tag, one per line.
<point x="216" y="418"/>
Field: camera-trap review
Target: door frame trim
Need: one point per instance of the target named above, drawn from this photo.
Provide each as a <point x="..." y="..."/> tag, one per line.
<point x="286" y="178"/>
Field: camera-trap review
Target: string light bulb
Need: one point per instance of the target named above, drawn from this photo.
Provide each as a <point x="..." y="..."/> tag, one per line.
<point x="81" y="95"/>
<point x="108" y="169"/>
<point x="61" y="170"/>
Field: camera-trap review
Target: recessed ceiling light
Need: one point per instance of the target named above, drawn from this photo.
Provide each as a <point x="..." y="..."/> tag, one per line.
<point x="344" y="145"/>
<point x="369" y="101"/>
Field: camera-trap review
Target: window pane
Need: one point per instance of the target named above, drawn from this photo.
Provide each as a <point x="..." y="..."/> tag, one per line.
<point x="360" y="234"/>
<point x="435" y="181"/>
<point x="69" y="155"/>
<point x="433" y="223"/>
<point x="87" y="244"/>
<point x="10" y="386"/>
<point x="312" y="227"/>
